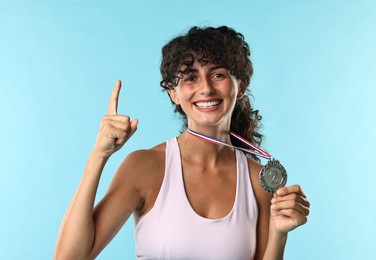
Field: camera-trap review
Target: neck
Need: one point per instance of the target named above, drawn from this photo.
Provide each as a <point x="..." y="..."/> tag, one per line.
<point x="217" y="132"/>
<point x="200" y="150"/>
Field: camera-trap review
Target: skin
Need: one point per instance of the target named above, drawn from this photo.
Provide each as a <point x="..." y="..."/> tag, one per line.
<point x="209" y="171"/>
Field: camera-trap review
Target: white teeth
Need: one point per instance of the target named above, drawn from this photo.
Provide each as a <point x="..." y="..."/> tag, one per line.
<point x="207" y="104"/>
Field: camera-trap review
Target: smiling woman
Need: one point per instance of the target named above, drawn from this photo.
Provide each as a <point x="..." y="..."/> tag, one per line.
<point x="207" y="93"/>
<point x="191" y="199"/>
<point x="225" y="48"/>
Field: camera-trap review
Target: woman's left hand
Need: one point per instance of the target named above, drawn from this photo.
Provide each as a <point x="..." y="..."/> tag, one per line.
<point x="289" y="209"/>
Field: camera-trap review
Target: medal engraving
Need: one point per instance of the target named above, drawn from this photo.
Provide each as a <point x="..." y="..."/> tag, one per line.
<point x="273" y="176"/>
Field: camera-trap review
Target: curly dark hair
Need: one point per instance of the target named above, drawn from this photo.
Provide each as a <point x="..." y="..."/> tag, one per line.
<point x="223" y="46"/>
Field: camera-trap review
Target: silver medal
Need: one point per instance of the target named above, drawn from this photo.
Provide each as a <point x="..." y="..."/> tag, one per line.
<point x="273" y="176"/>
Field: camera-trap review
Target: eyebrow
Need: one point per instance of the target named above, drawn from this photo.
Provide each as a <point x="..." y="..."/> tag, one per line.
<point x="192" y="70"/>
<point x="217" y="67"/>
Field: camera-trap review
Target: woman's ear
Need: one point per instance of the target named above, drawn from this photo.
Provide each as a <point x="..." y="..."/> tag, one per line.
<point x="174" y="96"/>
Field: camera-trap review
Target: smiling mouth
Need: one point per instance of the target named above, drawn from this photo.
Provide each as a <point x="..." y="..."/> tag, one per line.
<point x="207" y="104"/>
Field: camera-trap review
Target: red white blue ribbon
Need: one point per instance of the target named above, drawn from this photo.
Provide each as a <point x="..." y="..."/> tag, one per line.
<point x="255" y="149"/>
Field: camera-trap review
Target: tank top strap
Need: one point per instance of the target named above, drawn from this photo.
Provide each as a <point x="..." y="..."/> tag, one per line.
<point x="173" y="167"/>
<point x="172" y="181"/>
<point x="247" y="205"/>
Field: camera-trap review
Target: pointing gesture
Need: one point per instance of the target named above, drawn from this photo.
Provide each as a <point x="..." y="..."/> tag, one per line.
<point x="113" y="104"/>
<point x="115" y="129"/>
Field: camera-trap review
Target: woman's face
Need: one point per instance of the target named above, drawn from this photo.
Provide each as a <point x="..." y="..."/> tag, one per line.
<point x="207" y="94"/>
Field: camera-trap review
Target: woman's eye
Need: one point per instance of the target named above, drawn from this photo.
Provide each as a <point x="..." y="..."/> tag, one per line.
<point x="189" y="78"/>
<point x="218" y="76"/>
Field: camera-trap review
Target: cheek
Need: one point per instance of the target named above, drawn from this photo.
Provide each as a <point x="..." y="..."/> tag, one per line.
<point x="233" y="91"/>
<point x="183" y="95"/>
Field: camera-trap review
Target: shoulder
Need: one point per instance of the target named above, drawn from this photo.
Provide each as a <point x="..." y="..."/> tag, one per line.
<point x="142" y="164"/>
<point x="144" y="167"/>
<point x="144" y="172"/>
<point x="141" y="160"/>
<point x="139" y="170"/>
<point x="263" y="198"/>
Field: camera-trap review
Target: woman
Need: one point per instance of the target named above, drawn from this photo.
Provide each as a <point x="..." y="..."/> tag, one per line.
<point x="191" y="198"/>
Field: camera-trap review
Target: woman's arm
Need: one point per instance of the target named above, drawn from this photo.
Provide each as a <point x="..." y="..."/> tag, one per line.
<point x="80" y="228"/>
<point x="280" y="213"/>
<point x="289" y="209"/>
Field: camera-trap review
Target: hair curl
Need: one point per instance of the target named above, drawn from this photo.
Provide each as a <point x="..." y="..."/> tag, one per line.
<point x="223" y="46"/>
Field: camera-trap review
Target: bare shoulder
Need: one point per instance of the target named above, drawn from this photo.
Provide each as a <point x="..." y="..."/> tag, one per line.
<point x="142" y="165"/>
<point x="263" y="202"/>
<point x="140" y="176"/>
<point x="142" y="161"/>
<point x="263" y="198"/>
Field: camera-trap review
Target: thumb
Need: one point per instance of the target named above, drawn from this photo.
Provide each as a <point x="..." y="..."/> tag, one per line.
<point x="134" y="124"/>
<point x="133" y="128"/>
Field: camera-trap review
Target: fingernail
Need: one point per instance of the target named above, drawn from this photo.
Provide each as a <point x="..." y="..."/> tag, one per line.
<point x="274" y="200"/>
<point x="280" y="192"/>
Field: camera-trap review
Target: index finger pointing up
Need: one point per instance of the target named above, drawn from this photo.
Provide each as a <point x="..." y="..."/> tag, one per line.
<point x="113" y="104"/>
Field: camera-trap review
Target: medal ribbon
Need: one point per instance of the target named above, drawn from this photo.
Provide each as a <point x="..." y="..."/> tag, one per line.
<point x="256" y="150"/>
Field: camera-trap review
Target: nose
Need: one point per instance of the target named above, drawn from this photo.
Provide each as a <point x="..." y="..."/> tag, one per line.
<point x="206" y="87"/>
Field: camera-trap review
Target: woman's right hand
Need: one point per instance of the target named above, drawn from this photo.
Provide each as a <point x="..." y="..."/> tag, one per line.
<point x="115" y="129"/>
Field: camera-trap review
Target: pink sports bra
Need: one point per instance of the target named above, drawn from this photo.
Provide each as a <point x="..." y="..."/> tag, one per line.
<point x="173" y="230"/>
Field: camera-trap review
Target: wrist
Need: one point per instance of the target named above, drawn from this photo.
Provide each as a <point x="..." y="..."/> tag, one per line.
<point x="281" y="238"/>
<point x="98" y="157"/>
<point x="276" y="245"/>
<point x="276" y="234"/>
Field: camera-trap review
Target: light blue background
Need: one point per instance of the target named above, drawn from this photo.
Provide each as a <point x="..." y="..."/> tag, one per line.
<point x="314" y="84"/>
